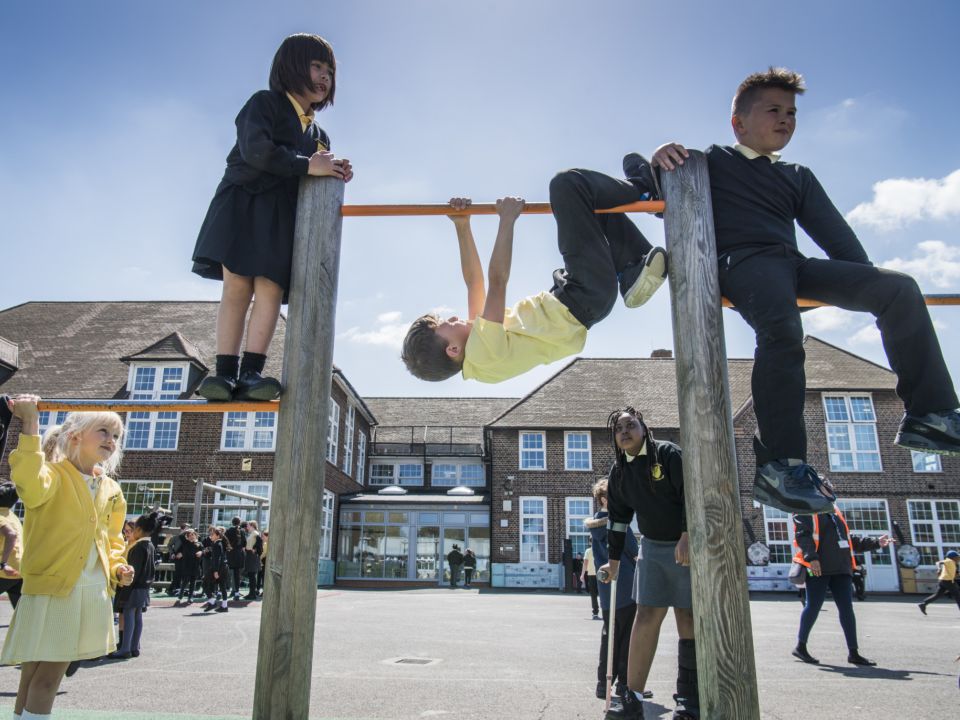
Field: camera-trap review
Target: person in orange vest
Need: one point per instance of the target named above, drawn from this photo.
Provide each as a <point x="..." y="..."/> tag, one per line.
<point x="826" y="548"/>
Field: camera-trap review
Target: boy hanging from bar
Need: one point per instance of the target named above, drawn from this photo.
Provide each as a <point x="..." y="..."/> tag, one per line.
<point x="756" y="199"/>
<point x="601" y="253"/>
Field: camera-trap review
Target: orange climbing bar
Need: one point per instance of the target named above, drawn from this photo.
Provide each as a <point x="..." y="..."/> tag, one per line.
<point x="947" y="299"/>
<point x="535" y="208"/>
<point x="157" y="406"/>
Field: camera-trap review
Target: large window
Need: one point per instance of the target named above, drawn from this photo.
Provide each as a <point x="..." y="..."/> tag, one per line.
<point x="326" y="525"/>
<point x="155" y="430"/>
<point x="925" y="462"/>
<point x="374" y="544"/>
<point x="396" y="473"/>
<point x="868" y="518"/>
<point x="577" y="451"/>
<point x="935" y="526"/>
<point x="578" y="510"/>
<point x="852" y="433"/>
<point x="229" y="506"/>
<point x="348" y="425"/>
<point x="533" y="453"/>
<point x="251" y="431"/>
<point x="779" y="527"/>
<point x="333" y="431"/>
<point x="451" y="474"/>
<point x="48" y="419"/>
<point x="533" y="529"/>
<point x="144" y="495"/>
<point x="361" y="456"/>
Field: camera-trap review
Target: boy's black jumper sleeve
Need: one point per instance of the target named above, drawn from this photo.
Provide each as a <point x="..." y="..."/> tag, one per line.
<point x="255" y="125"/>
<point x="821" y="220"/>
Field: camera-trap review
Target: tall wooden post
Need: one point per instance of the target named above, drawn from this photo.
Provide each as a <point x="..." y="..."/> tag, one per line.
<point x="724" y="639"/>
<point x="285" y="655"/>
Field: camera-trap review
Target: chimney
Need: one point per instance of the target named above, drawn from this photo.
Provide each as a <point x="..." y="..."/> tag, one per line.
<point x="662" y="353"/>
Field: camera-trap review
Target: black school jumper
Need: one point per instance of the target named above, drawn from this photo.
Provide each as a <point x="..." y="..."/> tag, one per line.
<point x="761" y="270"/>
<point x="249" y="226"/>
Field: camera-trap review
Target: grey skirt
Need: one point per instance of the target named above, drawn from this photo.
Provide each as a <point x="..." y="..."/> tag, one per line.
<point x="659" y="581"/>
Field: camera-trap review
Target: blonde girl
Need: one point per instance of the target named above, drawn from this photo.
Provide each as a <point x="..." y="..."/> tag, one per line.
<point x="73" y="550"/>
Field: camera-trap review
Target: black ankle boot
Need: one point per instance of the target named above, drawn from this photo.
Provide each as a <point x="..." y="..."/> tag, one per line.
<point x="688" y="692"/>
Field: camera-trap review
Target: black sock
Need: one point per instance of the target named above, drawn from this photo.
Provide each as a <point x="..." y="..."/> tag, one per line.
<point x="228" y="366"/>
<point x="252" y="361"/>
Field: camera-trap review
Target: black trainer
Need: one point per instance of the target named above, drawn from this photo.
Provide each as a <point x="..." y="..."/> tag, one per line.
<point x="254" y="386"/>
<point x="791" y="486"/>
<point x="801" y="654"/>
<point x="640" y="281"/>
<point x="638" y="171"/>
<point x="937" y="432"/>
<point x="217" y="388"/>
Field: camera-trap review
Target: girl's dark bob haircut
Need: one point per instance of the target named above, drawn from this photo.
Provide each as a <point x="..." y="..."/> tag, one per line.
<point x="290" y="71"/>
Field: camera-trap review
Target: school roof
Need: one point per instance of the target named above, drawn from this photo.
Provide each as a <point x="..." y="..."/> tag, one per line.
<point x="434" y="419"/>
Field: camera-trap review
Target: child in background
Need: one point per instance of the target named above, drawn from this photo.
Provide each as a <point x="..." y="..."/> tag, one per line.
<point x="246" y="239"/>
<point x="946" y="581"/>
<point x="191" y="551"/>
<point x="70" y="566"/>
<point x="134" y="599"/>
<point x="215" y="571"/>
<point x="11" y="544"/>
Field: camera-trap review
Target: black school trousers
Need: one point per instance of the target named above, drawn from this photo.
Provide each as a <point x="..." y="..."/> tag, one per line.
<point x="595" y="248"/>
<point x="764" y="284"/>
<point x="623" y="625"/>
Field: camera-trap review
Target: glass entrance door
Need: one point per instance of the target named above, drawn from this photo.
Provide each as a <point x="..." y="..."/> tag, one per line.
<point x="451" y="536"/>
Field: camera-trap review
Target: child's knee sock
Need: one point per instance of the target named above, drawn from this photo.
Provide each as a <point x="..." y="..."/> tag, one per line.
<point x="228" y="366"/>
<point x="688" y="691"/>
<point x="253" y="361"/>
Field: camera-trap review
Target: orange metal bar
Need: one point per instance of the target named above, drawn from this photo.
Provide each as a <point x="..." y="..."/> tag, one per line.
<point x="536" y="208"/>
<point x="947" y="299"/>
<point x="157" y="406"/>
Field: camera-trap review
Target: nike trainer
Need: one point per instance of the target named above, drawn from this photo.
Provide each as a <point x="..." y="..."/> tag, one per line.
<point x="792" y="486"/>
<point x="937" y="432"/>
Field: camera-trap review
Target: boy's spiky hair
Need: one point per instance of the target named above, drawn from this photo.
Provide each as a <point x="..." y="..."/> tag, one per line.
<point x="425" y="353"/>
<point x="772" y="77"/>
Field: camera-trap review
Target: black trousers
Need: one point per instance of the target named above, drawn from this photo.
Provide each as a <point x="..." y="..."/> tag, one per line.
<point x="595" y="248"/>
<point x="764" y="285"/>
<point x="592" y="589"/>
<point x="842" y="588"/>
<point x="622" y="625"/>
<point x="946" y="587"/>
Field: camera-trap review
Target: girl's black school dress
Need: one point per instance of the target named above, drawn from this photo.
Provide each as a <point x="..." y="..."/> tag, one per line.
<point x="249" y="226"/>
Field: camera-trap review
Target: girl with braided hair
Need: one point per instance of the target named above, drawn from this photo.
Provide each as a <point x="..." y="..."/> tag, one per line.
<point x="646" y="481"/>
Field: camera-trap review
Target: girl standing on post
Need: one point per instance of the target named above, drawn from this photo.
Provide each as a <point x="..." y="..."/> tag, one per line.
<point x="73" y="550"/>
<point x="246" y="239"/>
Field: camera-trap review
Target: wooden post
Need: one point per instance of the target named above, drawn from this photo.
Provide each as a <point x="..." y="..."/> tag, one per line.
<point x="721" y="605"/>
<point x="285" y="655"/>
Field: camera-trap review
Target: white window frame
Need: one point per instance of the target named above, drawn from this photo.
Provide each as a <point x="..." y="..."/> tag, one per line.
<point x="333" y="431"/>
<point x="242" y="506"/>
<point x="771" y="516"/>
<point x="326" y="525"/>
<point x="249" y="429"/>
<point x="361" y="456"/>
<point x="459" y="479"/>
<point x="349" y="422"/>
<point x="574" y="522"/>
<point x="521" y="450"/>
<point x="938" y="545"/>
<point x="131" y="487"/>
<point x="851" y="434"/>
<point x="157" y="393"/>
<point x="395" y="478"/>
<point x="921" y="459"/>
<point x="51" y="418"/>
<point x="567" y="450"/>
<point x="544" y="532"/>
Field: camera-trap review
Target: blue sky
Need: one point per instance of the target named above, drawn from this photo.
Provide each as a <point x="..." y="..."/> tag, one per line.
<point x="118" y="117"/>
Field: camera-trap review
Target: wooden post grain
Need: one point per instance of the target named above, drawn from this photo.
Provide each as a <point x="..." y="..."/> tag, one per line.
<point x="285" y="655"/>
<point x="721" y="604"/>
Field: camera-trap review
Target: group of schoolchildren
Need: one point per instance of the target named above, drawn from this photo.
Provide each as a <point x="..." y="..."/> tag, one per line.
<point x="70" y="570"/>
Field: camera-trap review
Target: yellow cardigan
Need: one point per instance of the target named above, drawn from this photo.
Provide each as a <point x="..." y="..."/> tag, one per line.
<point x="62" y="520"/>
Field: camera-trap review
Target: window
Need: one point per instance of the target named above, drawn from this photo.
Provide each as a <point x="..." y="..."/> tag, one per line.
<point x="333" y="431"/>
<point x="377" y="547"/>
<point x="935" y="526"/>
<point x="361" y="456"/>
<point x="396" y="473"/>
<point x="852" y="433"/>
<point x="779" y="527"/>
<point x="578" y="510"/>
<point x="49" y="419"/>
<point x="577" y="451"/>
<point x="348" y="424"/>
<point x="142" y="495"/>
<point x="533" y="529"/>
<point x="451" y="474"/>
<point x="229" y="506"/>
<point x="868" y="518"/>
<point x="255" y="431"/>
<point x="154" y="430"/>
<point x="533" y="455"/>
<point x="925" y="462"/>
<point x="326" y="525"/>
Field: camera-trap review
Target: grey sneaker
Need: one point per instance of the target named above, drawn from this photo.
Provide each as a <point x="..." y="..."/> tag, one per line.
<point x="937" y="432"/>
<point x="639" y="282"/>
<point x="793" y="487"/>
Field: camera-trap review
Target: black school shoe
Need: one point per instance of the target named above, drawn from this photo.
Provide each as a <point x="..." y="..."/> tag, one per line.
<point x="937" y="432"/>
<point x="855" y="658"/>
<point x="217" y="388"/>
<point x="801" y="654"/>
<point x="254" y="386"/>
<point x="638" y="171"/>
<point x="791" y="486"/>
<point x="639" y="282"/>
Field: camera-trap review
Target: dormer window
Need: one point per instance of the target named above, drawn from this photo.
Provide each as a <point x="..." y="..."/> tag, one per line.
<point x="155" y="381"/>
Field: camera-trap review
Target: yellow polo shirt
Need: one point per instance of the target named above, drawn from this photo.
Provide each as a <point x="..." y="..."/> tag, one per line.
<point x="948" y="570"/>
<point x="536" y="331"/>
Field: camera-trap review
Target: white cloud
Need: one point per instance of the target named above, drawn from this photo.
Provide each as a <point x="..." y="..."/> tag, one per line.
<point x="827" y="319"/>
<point x="388" y="331"/>
<point x="867" y="335"/>
<point x="899" y="201"/>
<point x="935" y="263"/>
<point x="389" y="317"/>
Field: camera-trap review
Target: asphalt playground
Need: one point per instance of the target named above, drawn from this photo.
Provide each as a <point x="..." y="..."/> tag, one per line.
<point x="492" y="655"/>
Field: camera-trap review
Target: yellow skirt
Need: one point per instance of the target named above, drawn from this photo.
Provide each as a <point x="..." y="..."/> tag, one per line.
<point x="52" y="629"/>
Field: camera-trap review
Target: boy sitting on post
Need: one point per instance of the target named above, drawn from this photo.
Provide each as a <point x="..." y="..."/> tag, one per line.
<point x="601" y="253"/>
<point x="756" y="199"/>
